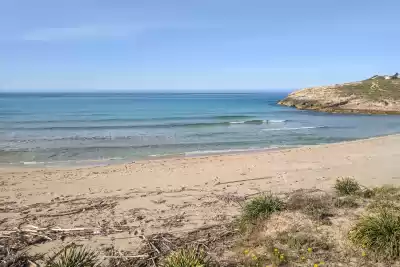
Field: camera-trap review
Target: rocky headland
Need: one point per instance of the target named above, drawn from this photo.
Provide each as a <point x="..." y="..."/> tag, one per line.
<point x="376" y="95"/>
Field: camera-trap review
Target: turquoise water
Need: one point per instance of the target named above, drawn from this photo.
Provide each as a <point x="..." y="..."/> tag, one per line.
<point x="58" y="129"/>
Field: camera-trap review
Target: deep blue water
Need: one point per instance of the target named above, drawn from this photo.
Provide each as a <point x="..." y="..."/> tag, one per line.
<point x="57" y="129"/>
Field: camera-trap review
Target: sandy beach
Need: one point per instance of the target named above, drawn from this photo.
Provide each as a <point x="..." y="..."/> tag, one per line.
<point x="117" y="203"/>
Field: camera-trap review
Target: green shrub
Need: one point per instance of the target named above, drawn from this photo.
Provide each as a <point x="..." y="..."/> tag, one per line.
<point x="261" y="207"/>
<point x="347" y="186"/>
<point x="379" y="233"/>
<point x="189" y="257"/>
<point x="74" y="256"/>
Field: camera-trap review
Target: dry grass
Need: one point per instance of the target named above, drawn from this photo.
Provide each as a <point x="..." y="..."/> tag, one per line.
<point x="318" y="205"/>
<point x="289" y="238"/>
<point x="388" y="192"/>
<point x="349" y="202"/>
<point x="385" y="197"/>
<point x="306" y="246"/>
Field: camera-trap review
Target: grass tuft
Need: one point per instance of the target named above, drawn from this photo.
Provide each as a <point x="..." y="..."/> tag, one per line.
<point x="261" y="207"/>
<point x="347" y="186"/>
<point x="379" y="233"/>
<point x="74" y="256"/>
<point x="189" y="257"/>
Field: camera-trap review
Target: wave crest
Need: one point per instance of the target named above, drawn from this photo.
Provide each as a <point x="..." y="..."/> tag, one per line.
<point x="294" y="128"/>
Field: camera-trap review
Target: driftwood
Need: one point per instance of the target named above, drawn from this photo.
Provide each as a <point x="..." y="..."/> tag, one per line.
<point x="244" y="180"/>
<point x="28" y="235"/>
<point x="157" y="246"/>
<point x="126" y="256"/>
<point x="96" y="206"/>
<point x="37" y="230"/>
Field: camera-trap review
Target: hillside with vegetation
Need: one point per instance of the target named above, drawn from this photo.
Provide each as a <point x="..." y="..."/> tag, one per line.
<point x="376" y="95"/>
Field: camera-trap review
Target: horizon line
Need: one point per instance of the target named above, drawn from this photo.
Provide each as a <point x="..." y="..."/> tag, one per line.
<point x="147" y="91"/>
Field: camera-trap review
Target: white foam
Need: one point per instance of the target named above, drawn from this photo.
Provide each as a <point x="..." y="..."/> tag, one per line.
<point x="293" y="129"/>
<point x="249" y="122"/>
<point x="224" y="151"/>
<point x="67" y="162"/>
<point x="276" y="121"/>
<point x="32" y="162"/>
<point x="237" y="122"/>
<point x="165" y="155"/>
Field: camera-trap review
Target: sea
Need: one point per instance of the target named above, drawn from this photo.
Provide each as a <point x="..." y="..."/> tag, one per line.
<point x="58" y="129"/>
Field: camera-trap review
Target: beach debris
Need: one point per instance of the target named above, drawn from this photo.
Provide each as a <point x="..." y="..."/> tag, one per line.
<point x="231" y="197"/>
<point x="174" y="221"/>
<point x="28" y="235"/>
<point x="13" y="257"/>
<point x="158" y="246"/>
<point x="102" y="204"/>
<point x="245" y="180"/>
<point x="159" y="201"/>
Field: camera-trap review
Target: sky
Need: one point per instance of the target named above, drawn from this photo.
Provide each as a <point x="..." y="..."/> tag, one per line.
<point x="74" y="45"/>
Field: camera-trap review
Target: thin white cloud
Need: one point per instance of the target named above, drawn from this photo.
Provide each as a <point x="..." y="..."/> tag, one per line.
<point x="78" y="33"/>
<point x="105" y="31"/>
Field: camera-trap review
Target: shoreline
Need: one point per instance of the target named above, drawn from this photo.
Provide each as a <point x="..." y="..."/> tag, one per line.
<point x="180" y="194"/>
<point x="121" y="162"/>
<point x="73" y="165"/>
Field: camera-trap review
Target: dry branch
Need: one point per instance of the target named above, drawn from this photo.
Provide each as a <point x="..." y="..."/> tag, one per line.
<point x="245" y="180"/>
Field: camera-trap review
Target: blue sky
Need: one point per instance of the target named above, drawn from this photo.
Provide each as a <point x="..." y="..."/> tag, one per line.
<point x="193" y="45"/>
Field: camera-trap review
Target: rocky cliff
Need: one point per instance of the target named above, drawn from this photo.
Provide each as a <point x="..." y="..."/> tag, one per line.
<point x="377" y="95"/>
